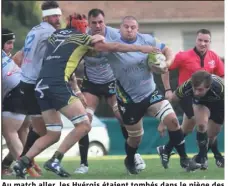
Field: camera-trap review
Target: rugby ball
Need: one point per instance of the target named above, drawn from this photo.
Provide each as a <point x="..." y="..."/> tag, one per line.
<point x="156" y="59"/>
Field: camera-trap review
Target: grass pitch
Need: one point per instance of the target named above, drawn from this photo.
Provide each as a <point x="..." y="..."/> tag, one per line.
<point x="112" y="167"/>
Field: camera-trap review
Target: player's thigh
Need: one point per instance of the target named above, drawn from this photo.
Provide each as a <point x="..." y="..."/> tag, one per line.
<point x="164" y="112"/>
<point x="132" y="113"/>
<point x="91" y="93"/>
<point x="186" y="106"/>
<point x="187" y="124"/>
<point x="11" y="122"/>
<point x="51" y="117"/>
<point x="201" y="114"/>
<point x="213" y="129"/>
<point x="74" y="108"/>
<point x="92" y="100"/>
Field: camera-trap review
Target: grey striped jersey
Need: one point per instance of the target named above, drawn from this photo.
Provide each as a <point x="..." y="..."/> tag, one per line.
<point x="134" y="81"/>
<point x="34" y="51"/>
<point x="97" y="69"/>
<point x="11" y="74"/>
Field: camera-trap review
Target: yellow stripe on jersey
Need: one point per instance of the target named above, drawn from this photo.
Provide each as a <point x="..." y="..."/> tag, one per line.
<point x="79" y="39"/>
<point x="74" y="60"/>
<point x="121" y="96"/>
<point x="180" y="90"/>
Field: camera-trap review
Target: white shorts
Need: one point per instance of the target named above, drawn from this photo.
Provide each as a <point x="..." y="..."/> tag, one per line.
<point x="20" y="117"/>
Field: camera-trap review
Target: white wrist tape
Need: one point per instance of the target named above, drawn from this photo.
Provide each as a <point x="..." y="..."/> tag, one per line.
<point x="53" y="11"/>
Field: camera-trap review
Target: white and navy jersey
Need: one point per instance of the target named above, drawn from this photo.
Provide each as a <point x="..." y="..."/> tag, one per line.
<point x="134" y="80"/>
<point x="214" y="94"/>
<point x="34" y="51"/>
<point x="11" y="74"/>
<point x="97" y="69"/>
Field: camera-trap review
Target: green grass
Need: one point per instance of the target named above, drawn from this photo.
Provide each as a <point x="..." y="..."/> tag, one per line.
<point x="112" y="167"/>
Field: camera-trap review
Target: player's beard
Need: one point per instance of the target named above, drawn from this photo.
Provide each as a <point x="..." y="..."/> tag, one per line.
<point x="56" y="24"/>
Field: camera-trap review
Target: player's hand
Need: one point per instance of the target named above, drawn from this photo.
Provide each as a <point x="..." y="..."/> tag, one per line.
<point x="162" y="129"/>
<point x="149" y="49"/>
<point x="97" y="38"/>
<point x="79" y="82"/>
<point x="73" y="82"/>
<point x="169" y="94"/>
<point x="159" y="70"/>
<point x="82" y="99"/>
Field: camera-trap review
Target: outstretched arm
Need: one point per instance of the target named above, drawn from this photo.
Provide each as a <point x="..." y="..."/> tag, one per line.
<point x="119" y="47"/>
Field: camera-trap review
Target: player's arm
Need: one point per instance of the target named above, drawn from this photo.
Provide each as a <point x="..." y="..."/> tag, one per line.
<point x="166" y="84"/>
<point x="165" y="77"/>
<point x="119" y="47"/>
<point x="180" y="92"/>
<point x="76" y="90"/>
<point x="168" y="53"/>
<point x="18" y="57"/>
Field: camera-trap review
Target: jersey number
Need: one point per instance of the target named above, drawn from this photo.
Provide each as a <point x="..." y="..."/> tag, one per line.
<point x="28" y="41"/>
<point x="59" y="41"/>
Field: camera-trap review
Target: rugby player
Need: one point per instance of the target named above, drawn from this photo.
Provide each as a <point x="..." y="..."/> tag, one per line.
<point x="33" y="53"/>
<point x="188" y="62"/>
<point x="65" y="49"/>
<point x="137" y="93"/>
<point x="13" y="117"/>
<point x="98" y="82"/>
<point x="207" y="93"/>
<point x="14" y="125"/>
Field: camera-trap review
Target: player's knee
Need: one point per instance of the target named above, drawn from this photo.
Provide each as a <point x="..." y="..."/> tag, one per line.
<point x="211" y="139"/>
<point x="135" y="136"/>
<point x="186" y="130"/>
<point x="172" y="122"/>
<point x="201" y="127"/>
<point x="211" y="136"/>
<point x="86" y="126"/>
<point x="54" y="130"/>
<point x="167" y="115"/>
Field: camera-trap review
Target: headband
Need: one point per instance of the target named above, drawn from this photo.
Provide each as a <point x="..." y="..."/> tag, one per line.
<point x="53" y="11"/>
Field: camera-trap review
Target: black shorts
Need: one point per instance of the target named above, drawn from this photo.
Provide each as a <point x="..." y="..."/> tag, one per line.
<point x="53" y="95"/>
<point x="216" y="111"/>
<point x="13" y="101"/>
<point x="131" y="113"/>
<point x="186" y="106"/>
<point x="29" y="99"/>
<point x="99" y="90"/>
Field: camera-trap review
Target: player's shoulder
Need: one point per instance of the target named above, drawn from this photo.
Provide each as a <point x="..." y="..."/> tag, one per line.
<point x="112" y="34"/>
<point x="43" y="27"/>
<point x="217" y="79"/>
<point x="42" y="31"/>
<point x="111" y="29"/>
<point x="188" y="84"/>
<point x="145" y="37"/>
<point x="217" y="84"/>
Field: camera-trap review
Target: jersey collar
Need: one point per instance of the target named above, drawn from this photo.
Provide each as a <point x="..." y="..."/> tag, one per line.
<point x="197" y="52"/>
